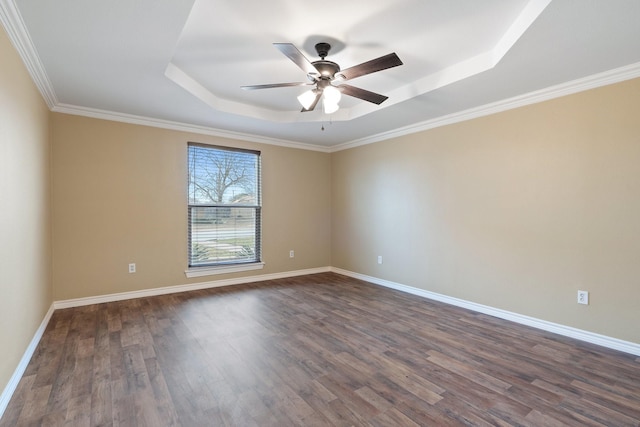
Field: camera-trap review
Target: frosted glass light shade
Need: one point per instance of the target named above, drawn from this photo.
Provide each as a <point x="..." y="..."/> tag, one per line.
<point x="307" y="98"/>
<point x="329" y="107"/>
<point x="332" y="94"/>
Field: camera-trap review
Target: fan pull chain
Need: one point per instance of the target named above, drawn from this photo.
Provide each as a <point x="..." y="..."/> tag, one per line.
<point x="330" y="123"/>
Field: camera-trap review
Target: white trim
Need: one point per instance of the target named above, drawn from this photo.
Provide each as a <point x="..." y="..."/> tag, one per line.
<point x="17" y="31"/>
<point x="11" y="386"/>
<point x="612" y="343"/>
<point x="567" y="331"/>
<point x="78" y="302"/>
<point x="211" y="271"/>
<point x="12" y="21"/>
<point x="617" y="75"/>
<point x="181" y="127"/>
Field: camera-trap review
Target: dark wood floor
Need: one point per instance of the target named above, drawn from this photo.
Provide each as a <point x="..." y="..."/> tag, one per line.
<point x="314" y="351"/>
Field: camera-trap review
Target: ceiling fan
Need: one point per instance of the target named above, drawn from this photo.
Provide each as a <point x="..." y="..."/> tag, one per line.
<point x="323" y="73"/>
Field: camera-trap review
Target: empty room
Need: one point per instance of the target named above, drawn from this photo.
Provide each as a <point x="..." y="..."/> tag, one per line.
<point x="391" y="213"/>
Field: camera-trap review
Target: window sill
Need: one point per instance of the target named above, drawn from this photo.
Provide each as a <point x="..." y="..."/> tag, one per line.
<point x="210" y="271"/>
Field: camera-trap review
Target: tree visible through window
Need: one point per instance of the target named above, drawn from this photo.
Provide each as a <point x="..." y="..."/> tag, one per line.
<point x="224" y="206"/>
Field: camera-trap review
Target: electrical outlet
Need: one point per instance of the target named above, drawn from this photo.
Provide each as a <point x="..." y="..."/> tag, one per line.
<point x="132" y="268"/>
<point x="379" y="259"/>
<point x="583" y="297"/>
<point x="291" y="254"/>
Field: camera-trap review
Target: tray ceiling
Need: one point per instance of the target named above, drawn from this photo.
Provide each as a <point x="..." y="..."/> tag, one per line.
<point x="180" y="64"/>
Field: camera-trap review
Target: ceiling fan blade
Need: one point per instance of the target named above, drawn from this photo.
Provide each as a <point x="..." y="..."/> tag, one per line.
<point x="365" y="95"/>
<point x="272" y="85"/>
<point x="296" y="56"/>
<point x="378" y="64"/>
<point x="313" y="105"/>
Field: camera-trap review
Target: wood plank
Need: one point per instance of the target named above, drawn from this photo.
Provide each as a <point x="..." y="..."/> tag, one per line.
<point x="314" y="350"/>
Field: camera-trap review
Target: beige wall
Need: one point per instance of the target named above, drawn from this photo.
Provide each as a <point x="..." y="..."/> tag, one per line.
<point x="516" y="211"/>
<point x="119" y="196"/>
<point x="25" y="232"/>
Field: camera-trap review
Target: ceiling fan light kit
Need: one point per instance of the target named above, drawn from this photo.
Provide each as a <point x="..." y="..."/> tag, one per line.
<point x="322" y="73"/>
<point x="329" y="107"/>
<point x="332" y="94"/>
<point x="307" y="98"/>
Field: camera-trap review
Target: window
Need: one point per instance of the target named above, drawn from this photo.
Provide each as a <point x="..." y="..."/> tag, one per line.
<point x="224" y="206"/>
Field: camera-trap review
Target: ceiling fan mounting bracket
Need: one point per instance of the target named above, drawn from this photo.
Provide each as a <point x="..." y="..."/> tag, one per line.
<point x="323" y="49"/>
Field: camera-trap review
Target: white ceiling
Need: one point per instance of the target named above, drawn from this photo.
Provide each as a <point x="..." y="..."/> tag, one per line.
<point x="180" y="63"/>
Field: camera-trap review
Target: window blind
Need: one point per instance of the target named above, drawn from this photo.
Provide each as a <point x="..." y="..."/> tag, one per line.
<point x="224" y="206"/>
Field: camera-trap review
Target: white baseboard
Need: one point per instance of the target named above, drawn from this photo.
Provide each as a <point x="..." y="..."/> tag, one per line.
<point x="77" y="302"/>
<point x="6" y="395"/>
<point x="579" y="334"/>
<point x="8" y="391"/>
<point x="602" y="340"/>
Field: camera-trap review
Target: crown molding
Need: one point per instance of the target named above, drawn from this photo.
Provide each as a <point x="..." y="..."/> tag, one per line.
<point x="18" y="35"/>
<point x="13" y="23"/>
<point x="181" y="127"/>
<point x="16" y="30"/>
<point x="616" y="75"/>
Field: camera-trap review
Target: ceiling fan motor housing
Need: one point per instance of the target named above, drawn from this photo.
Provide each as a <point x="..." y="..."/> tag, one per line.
<point x="327" y="69"/>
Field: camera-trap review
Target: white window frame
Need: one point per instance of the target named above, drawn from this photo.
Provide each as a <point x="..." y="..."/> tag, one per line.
<point x="193" y="205"/>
